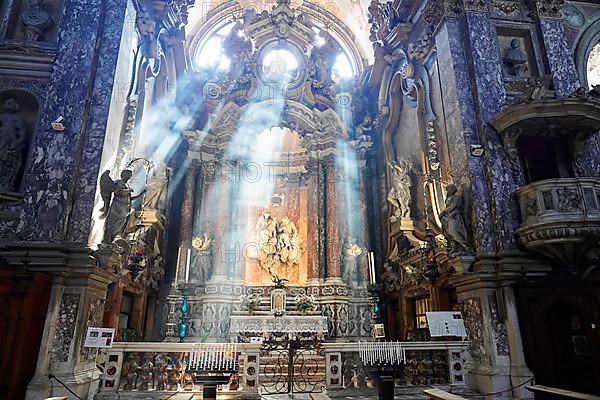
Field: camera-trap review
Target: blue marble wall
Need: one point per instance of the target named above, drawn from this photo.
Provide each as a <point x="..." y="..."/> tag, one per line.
<point x="462" y="131"/>
<point x="491" y="96"/>
<point x="560" y="58"/>
<point x="79" y="222"/>
<point x="57" y="179"/>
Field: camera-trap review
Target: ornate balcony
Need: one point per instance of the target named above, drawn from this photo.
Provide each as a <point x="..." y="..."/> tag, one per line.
<point x="561" y="218"/>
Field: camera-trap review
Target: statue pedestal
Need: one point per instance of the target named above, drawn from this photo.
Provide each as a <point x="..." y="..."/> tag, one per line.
<point x="462" y="264"/>
<point x="111" y="257"/>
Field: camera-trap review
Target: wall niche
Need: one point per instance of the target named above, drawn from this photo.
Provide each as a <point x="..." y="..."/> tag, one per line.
<point x="517" y="53"/>
<point x="18" y="119"/>
<point x="34" y="20"/>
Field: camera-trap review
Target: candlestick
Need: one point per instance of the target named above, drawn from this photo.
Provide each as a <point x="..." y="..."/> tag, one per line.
<point x="187" y="265"/>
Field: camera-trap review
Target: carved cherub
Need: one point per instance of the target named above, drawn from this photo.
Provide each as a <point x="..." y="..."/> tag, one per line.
<point x="535" y="88"/>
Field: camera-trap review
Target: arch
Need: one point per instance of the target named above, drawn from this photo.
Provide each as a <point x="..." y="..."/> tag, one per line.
<point x="295" y="115"/>
<point x="586" y="41"/>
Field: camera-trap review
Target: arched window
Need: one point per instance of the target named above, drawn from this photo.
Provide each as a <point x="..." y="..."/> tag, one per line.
<point x="212" y="54"/>
<point x="593" y="66"/>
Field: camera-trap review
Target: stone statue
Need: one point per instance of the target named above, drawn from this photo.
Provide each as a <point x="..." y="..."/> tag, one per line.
<point x="13" y="139"/>
<point x="399" y="195"/>
<point x="156" y="191"/>
<point x="278" y="241"/>
<point x="241" y="51"/>
<point x="288" y="243"/>
<point x="454" y="223"/>
<point x="266" y="228"/>
<point x="36" y="20"/>
<point x="117" y="204"/>
<point x="146" y="26"/>
<point x="516" y="59"/>
<point x="364" y="129"/>
<point x="350" y="251"/>
<point x="391" y="279"/>
<point x="322" y="59"/>
<point x="202" y="264"/>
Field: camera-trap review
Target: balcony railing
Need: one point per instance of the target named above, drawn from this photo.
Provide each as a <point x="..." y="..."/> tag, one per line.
<point x="157" y="368"/>
<point x="561" y="217"/>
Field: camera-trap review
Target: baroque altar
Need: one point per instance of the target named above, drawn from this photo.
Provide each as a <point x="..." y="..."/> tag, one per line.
<point x="274" y="186"/>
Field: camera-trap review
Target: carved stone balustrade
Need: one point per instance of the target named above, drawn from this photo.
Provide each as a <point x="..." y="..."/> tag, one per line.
<point x="151" y="370"/>
<point x="561" y="218"/>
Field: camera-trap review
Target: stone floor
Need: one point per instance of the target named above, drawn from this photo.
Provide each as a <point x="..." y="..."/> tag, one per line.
<point x="401" y="393"/>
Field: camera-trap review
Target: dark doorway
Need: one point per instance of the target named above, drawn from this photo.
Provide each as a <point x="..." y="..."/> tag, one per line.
<point x="560" y="327"/>
<point x="24" y="297"/>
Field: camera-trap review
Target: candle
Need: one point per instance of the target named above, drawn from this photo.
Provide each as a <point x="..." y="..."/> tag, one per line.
<point x="372" y="259"/>
<point x="187" y="265"/>
<point x="177" y="265"/>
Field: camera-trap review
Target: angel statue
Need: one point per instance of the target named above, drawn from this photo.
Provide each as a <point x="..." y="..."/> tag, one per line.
<point x="203" y="257"/>
<point x="350" y="251"/>
<point x="399" y="195"/>
<point x="156" y="191"/>
<point x="117" y="204"/>
<point x="454" y="223"/>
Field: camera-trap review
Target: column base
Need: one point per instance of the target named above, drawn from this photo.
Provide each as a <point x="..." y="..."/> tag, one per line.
<point x="494" y="380"/>
<point x="337" y="281"/>
<point x="84" y="384"/>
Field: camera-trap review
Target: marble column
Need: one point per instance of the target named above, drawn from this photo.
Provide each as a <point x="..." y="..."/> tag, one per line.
<point x="363" y="240"/>
<point x="519" y="372"/>
<point x="187" y="219"/>
<point x="491" y="96"/>
<point x="560" y="58"/>
<point x="334" y="273"/>
<point x="222" y="202"/>
<point x="76" y="303"/>
<point x="461" y="123"/>
<point x="312" y="245"/>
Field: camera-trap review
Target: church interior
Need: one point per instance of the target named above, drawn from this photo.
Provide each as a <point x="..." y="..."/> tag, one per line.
<point x="362" y="199"/>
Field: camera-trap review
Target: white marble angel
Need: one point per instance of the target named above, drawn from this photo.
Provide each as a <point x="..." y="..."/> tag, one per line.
<point x="399" y="195"/>
<point x="117" y="197"/>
